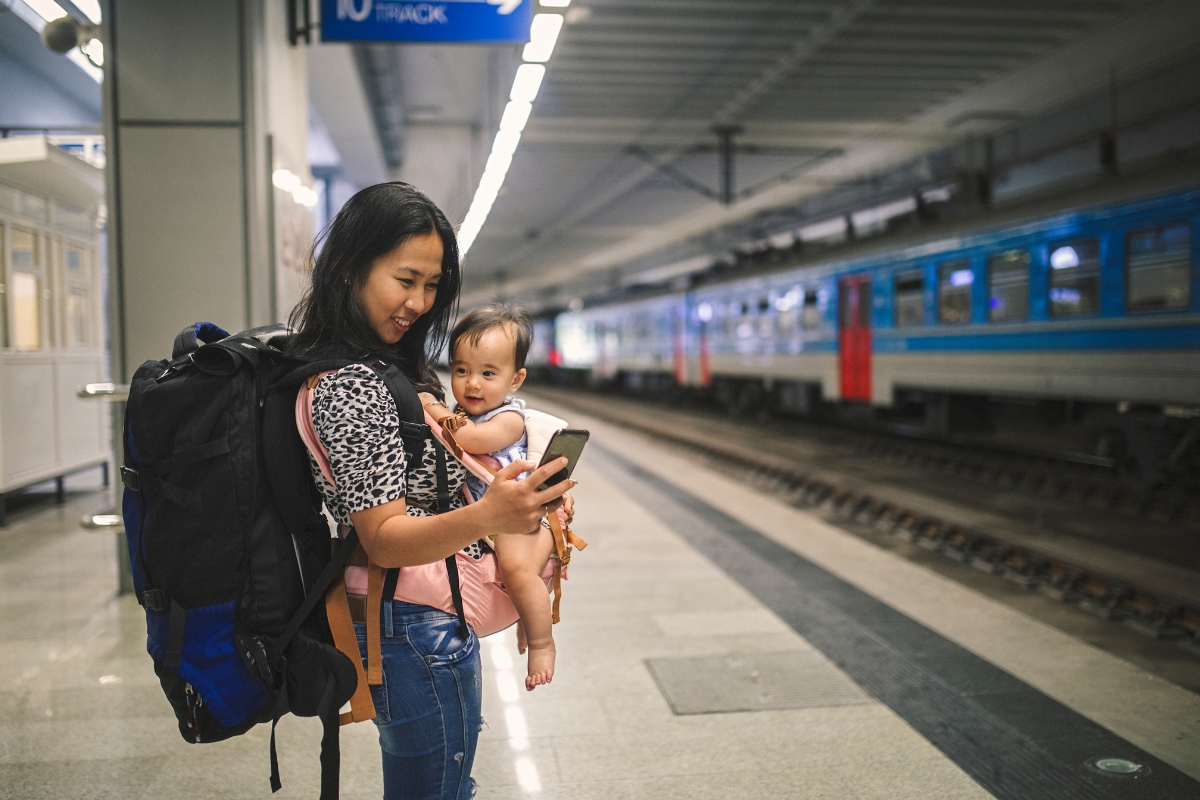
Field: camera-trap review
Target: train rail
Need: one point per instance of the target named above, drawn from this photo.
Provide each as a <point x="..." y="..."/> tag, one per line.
<point x="1153" y="596"/>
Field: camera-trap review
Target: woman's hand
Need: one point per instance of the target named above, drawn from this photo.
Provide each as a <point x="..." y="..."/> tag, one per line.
<point x="516" y="506"/>
<point x="428" y="398"/>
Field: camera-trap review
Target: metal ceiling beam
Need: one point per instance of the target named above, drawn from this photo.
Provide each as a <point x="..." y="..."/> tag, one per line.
<point x="379" y="71"/>
<point x="784" y="66"/>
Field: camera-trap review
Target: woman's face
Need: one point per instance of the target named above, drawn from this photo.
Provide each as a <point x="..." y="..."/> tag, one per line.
<point x="401" y="285"/>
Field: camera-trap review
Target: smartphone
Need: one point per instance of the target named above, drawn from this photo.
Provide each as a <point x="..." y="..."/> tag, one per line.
<point x="569" y="443"/>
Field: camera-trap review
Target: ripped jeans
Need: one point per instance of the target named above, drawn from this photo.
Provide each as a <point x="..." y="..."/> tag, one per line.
<point x="427" y="709"/>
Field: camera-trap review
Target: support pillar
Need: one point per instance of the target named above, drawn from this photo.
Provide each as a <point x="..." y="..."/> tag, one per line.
<point x="203" y="104"/>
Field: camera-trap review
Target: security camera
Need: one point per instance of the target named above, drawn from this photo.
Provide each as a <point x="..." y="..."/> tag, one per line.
<point x="61" y="34"/>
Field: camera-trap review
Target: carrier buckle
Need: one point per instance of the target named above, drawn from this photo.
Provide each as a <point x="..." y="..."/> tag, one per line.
<point x="131" y="479"/>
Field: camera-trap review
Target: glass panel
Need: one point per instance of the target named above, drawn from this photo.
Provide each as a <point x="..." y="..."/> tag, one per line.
<point x="24" y="250"/>
<point x="1075" y="278"/>
<point x="1158" y="269"/>
<point x="75" y="262"/>
<point x="810" y="316"/>
<point x="55" y="248"/>
<point x="909" y="302"/>
<point x="79" y="323"/>
<point x="1008" y="286"/>
<point x="27" y="322"/>
<point x="26" y="290"/>
<point x="954" y="291"/>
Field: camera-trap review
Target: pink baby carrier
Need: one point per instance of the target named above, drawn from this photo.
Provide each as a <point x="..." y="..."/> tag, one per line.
<point x="486" y="606"/>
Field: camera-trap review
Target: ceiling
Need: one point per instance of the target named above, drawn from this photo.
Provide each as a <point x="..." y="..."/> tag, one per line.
<point x="619" y="162"/>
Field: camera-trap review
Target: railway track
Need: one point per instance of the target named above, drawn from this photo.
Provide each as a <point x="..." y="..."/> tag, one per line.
<point x="799" y="470"/>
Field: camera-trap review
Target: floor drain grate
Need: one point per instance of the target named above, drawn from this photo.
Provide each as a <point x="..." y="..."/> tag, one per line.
<point x="1117" y="767"/>
<point x="753" y="682"/>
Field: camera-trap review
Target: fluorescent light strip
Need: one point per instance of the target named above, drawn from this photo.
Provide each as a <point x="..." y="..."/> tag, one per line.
<point x="46" y="9"/>
<point x="543" y="35"/>
<point x="293" y="185"/>
<point x="528" y="81"/>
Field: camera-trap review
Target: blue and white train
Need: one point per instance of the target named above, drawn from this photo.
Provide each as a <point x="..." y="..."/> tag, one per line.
<point x="1092" y="302"/>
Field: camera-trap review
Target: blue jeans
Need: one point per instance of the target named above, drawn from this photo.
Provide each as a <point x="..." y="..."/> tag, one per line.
<point x="427" y="709"/>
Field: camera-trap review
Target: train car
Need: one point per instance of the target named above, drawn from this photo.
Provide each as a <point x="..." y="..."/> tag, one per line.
<point x="1096" y="305"/>
<point x="51" y="302"/>
<point x="543" y="354"/>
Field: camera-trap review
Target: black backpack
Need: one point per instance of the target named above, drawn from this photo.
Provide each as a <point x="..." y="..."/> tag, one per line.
<point x="230" y="551"/>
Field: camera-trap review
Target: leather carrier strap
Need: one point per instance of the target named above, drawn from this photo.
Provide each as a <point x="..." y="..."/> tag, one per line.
<point x="337" y="610"/>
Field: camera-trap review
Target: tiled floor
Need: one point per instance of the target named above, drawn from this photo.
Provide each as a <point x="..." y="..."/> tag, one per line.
<point x="81" y="715"/>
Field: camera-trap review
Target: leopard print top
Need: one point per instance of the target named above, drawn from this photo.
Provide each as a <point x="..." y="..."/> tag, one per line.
<point x="355" y="418"/>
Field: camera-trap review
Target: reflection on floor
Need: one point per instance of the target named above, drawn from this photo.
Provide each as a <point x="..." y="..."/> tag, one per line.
<point x="81" y="714"/>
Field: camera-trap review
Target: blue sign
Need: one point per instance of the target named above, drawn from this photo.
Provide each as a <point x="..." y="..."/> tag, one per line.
<point x="446" y="21"/>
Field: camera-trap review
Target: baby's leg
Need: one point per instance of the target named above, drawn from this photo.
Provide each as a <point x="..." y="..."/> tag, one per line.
<point x="521" y="560"/>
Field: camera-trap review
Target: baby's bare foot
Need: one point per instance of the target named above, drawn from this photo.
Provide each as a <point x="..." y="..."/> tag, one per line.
<point x="541" y="665"/>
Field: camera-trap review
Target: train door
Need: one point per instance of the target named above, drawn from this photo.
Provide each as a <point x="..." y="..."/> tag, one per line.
<point x="679" y="344"/>
<point x="854" y="336"/>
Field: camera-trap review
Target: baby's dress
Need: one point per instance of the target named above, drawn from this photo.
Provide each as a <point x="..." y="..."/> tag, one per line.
<point x="506" y="455"/>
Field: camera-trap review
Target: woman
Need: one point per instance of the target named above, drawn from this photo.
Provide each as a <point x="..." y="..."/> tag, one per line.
<point x="384" y="286"/>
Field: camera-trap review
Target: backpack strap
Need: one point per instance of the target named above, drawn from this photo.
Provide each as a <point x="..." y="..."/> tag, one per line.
<point x="443" y="494"/>
<point x="413" y="430"/>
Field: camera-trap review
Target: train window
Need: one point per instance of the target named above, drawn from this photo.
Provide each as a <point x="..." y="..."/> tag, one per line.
<point x="909" y="300"/>
<point x="25" y="286"/>
<point x="1008" y="286"/>
<point x="1075" y="278"/>
<point x="1158" y="269"/>
<point x="954" y="291"/>
<point x="810" y="315"/>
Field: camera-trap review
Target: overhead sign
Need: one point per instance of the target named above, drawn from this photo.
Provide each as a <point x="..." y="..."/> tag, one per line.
<point x="447" y="21"/>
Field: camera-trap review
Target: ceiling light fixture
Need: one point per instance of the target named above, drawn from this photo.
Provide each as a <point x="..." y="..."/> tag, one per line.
<point x="555" y="3"/>
<point x="543" y="34"/>
<point x="528" y="81"/>
<point x="516" y="114"/>
<point x="47" y="9"/>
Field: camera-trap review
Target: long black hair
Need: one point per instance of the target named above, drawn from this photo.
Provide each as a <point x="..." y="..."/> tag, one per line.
<point x="328" y="319"/>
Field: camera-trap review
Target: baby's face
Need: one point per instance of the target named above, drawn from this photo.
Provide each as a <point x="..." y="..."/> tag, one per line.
<point x="483" y="373"/>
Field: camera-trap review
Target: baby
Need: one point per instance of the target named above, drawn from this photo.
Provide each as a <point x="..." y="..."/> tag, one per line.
<point x="487" y="364"/>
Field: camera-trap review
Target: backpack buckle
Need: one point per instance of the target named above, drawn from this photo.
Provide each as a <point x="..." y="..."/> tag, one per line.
<point x="414" y="430"/>
<point x="131" y="479"/>
<point x="155" y="600"/>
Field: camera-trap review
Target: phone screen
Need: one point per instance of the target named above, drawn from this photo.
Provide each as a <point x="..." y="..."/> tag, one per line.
<point x="567" y="443"/>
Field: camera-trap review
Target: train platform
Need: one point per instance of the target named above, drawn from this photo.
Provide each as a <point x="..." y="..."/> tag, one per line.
<point x="716" y="643"/>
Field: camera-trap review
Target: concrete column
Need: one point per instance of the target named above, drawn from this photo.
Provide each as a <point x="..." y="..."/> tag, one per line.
<point x="202" y="103"/>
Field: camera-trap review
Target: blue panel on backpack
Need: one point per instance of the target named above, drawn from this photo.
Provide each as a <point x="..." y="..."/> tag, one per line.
<point x="211" y="663"/>
<point x="132" y="519"/>
<point x="209" y="332"/>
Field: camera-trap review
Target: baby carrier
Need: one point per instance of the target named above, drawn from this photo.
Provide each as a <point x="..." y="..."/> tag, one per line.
<point x="467" y="587"/>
